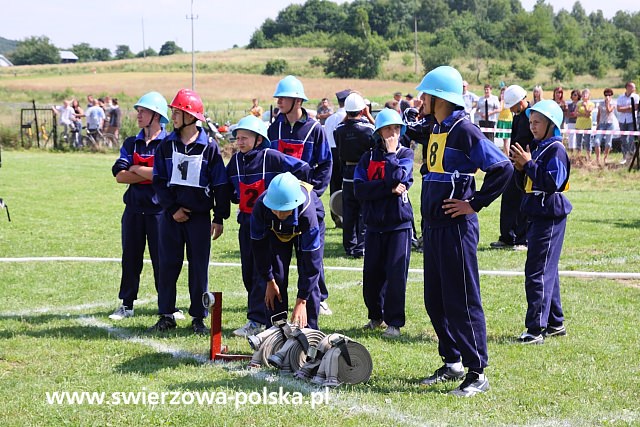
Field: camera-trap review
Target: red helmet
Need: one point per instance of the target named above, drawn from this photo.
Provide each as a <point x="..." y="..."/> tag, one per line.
<point x="188" y="101"/>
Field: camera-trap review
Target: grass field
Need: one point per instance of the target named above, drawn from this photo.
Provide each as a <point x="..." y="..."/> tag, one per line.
<point x="55" y="335"/>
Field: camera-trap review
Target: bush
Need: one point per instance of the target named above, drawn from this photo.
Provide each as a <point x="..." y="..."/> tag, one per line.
<point x="317" y="62"/>
<point x="561" y="73"/>
<point x="275" y="66"/>
<point x="357" y="58"/>
<point x="524" y="69"/>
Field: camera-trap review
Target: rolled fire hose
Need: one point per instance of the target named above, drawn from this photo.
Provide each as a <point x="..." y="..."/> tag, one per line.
<point x="268" y="342"/>
<point x="314" y="358"/>
<point x="346" y="362"/>
<point x="293" y="354"/>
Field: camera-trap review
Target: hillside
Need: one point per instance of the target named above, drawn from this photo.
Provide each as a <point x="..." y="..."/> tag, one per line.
<point x="7" y="46"/>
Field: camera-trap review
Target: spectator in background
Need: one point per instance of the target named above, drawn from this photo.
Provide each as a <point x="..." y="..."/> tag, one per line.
<point x="66" y="117"/>
<point x="558" y="97"/>
<point x="324" y="110"/>
<point x="470" y="99"/>
<point x="115" y="119"/>
<point x="330" y="125"/>
<point x="407" y="102"/>
<point x="606" y="120"/>
<point x="393" y="104"/>
<point x="571" y="116"/>
<point x="537" y="95"/>
<point x="256" y="110"/>
<point x="505" y="118"/>
<point x="626" y="118"/>
<point x="488" y="108"/>
<point x="89" y="101"/>
<point x="584" y="122"/>
<point x="78" y="115"/>
<point x="95" y="117"/>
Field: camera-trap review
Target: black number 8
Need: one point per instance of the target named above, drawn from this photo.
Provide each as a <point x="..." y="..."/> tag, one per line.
<point x="433" y="154"/>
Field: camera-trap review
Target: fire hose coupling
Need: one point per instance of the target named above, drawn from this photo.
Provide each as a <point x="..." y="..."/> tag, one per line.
<point x="208" y="300"/>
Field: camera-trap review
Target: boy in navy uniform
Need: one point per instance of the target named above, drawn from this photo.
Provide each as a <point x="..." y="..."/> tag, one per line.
<point x="543" y="171"/>
<point x="456" y="149"/>
<point x="190" y="180"/>
<point x="382" y="180"/>
<point x="353" y="139"/>
<point x="285" y="218"/>
<point x="250" y="172"/>
<point x="142" y="212"/>
<point x="295" y="133"/>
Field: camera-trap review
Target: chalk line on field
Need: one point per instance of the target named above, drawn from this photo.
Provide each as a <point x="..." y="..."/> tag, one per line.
<point x="507" y="273"/>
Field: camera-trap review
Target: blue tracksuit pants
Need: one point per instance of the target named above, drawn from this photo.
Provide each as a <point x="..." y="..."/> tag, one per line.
<point x="253" y="283"/>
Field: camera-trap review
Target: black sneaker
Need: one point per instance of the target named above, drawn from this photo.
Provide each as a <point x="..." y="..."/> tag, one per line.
<point x="443" y="374"/>
<point x="528" y="338"/>
<point x="198" y="327"/>
<point x="163" y="324"/>
<point x="554" y="331"/>
<point x="471" y="385"/>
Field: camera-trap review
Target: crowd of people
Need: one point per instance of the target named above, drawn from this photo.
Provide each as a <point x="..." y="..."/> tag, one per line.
<point x="180" y="193"/>
<point x="101" y="114"/>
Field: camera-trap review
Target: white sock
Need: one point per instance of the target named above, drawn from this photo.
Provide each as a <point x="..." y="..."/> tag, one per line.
<point x="456" y="366"/>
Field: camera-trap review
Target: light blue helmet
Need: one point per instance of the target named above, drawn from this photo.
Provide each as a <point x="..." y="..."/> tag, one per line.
<point x="443" y="82"/>
<point x="155" y="102"/>
<point x="256" y="125"/>
<point x="284" y="193"/>
<point x="290" y="87"/>
<point x="388" y="117"/>
<point x="551" y="110"/>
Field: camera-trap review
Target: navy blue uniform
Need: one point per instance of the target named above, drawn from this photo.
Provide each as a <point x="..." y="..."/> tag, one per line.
<point x="305" y="140"/>
<point x="209" y="193"/>
<point x="513" y="221"/>
<point x="140" y="218"/>
<point x="273" y="242"/>
<point x="249" y="175"/>
<point x="388" y="218"/>
<point x="544" y="179"/>
<point x="456" y="149"/>
<point x="353" y="138"/>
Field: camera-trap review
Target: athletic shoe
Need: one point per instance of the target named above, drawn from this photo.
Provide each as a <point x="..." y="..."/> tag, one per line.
<point x="375" y="324"/>
<point x="471" y="385"/>
<point x="121" y="313"/>
<point x="499" y="245"/>
<point x="554" y="331"/>
<point x="198" y="327"/>
<point x="324" y="309"/>
<point x="163" y="324"/>
<point x="527" y="338"/>
<point x="179" y="315"/>
<point x="443" y="374"/>
<point x="250" y="328"/>
<point x="391" y="332"/>
<point x="519" y="247"/>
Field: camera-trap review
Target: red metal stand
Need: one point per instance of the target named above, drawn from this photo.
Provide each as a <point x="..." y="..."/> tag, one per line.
<point x="219" y="351"/>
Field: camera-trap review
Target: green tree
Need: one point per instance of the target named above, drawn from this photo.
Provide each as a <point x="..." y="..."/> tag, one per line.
<point x="356" y="58"/>
<point x="123" y="52"/>
<point x="35" y="50"/>
<point x="170" y="48"/>
<point x="84" y="52"/>
<point x="147" y="52"/>
<point x="275" y="66"/>
<point x="103" y="54"/>
<point x="258" y="40"/>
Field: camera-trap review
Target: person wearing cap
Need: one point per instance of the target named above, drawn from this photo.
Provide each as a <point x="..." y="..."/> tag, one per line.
<point x="250" y="171"/>
<point x="407" y="102"/>
<point x="450" y="202"/>
<point x="284" y="219"/>
<point x="330" y="125"/>
<point x="513" y="222"/>
<point x="382" y="180"/>
<point x="353" y="139"/>
<point x="190" y="180"/>
<point x="296" y="133"/>
<point x="141" y="216"/>
<point x="542" y="171"/>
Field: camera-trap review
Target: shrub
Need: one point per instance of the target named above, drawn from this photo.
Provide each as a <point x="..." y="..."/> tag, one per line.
<point x="275" y="66"/>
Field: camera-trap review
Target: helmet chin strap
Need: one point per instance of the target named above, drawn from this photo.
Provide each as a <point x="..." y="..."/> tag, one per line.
<point x="255" y="143"/>
<point x="178" y="130"/>
<point x="293" y="104"/>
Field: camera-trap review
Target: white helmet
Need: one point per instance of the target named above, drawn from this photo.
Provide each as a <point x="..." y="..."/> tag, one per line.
<point x="354" y="103"/>
<point x="513" y="94"/>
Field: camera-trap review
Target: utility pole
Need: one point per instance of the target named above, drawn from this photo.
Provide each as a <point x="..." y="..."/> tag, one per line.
<point x="415" y="42"/>
<point x="144" y="50"/>
<point x="193" y="58"/>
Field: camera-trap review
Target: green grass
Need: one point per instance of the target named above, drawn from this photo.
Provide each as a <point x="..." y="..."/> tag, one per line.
<point x="55" y="334"/>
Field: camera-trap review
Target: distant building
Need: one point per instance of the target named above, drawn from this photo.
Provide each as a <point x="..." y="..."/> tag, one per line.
<point x="4" y="62"/>
<point x="68" y="57"/>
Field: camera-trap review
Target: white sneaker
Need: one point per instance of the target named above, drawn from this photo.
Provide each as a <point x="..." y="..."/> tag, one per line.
<point x="121" y="313"/>
<point x="250" y="328"/>
<point x="179" y="315"/>
<point x="324" y="309"/>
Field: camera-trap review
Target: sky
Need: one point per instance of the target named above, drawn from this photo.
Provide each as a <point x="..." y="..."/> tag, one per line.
<point x="220" y="24"/>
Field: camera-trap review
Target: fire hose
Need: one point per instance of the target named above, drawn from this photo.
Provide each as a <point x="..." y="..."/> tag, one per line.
<point x="344" y="362"/>
<point x="293" y="354"/>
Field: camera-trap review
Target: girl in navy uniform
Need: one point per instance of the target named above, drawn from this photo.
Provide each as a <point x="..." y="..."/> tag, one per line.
<point x="142" y="212"/>
<point x="285" y="218"/>
<point x="543" y="174"/>
<point x="382" y="180"/>
<point x="250" y="171"/>
<point x="190" y="180"/>
<point x="295" y="133"/>
<point x="450" y="202"/>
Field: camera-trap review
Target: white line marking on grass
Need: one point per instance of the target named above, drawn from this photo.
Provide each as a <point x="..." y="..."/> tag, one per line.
<point x="566" y="273"/>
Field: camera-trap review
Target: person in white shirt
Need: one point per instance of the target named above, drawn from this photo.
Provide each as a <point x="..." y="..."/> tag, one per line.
<point x="626" y="118"/>
<point x="95" y="117"/>
<point x="66" y="117"/>
<point x="470" y="99"/>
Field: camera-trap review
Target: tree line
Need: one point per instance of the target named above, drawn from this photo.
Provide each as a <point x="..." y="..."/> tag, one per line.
<point x="358" y="36"/>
